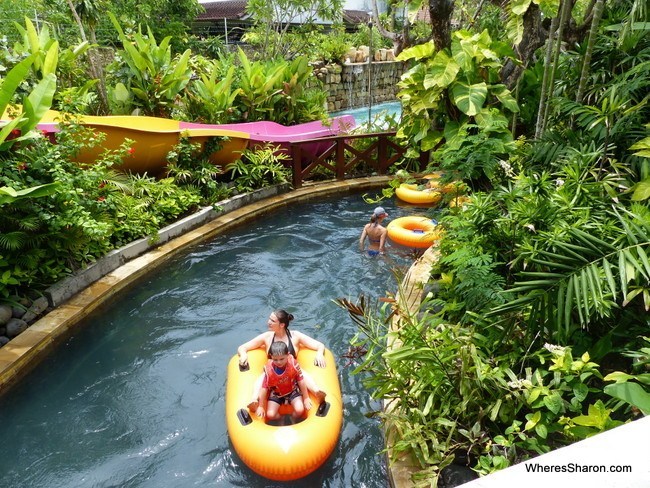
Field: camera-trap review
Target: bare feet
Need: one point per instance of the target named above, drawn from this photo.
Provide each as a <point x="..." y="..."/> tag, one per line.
<point x="252" y="406"/>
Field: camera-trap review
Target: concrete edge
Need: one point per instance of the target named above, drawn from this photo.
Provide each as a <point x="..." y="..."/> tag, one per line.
<point x="409" y="297"/>
<point x="83" y="293"/>
<point x="66" y="288"/>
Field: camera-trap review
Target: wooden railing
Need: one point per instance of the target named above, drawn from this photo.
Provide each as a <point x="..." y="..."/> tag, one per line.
<point x="340" y="157"/>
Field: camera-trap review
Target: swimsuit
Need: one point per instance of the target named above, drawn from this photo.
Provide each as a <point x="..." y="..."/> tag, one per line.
<point x="292" y="350"/>
<point x="372" y="253"/>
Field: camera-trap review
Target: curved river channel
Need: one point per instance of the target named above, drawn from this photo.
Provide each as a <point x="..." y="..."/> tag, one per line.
<point x="136" y="398"/>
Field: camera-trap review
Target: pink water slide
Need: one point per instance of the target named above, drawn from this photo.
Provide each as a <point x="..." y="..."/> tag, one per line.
<point x="273" y="132"/>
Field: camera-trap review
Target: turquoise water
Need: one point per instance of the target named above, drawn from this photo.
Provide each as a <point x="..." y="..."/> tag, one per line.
<point x="136" y="397"/>
<point x="376" y="112"/>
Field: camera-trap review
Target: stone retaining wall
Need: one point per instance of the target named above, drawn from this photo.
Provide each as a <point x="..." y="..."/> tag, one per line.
<point x="348" y="85"/>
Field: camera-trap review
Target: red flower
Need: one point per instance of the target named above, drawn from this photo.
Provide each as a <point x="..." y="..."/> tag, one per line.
<point x="102" y="184"/>
<point x="21" y="166"/>
<point x="101" y="199"/>
<point x="131" y="151"/>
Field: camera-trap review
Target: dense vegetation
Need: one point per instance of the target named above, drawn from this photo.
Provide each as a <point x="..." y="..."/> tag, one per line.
<point x="534" y="333"/>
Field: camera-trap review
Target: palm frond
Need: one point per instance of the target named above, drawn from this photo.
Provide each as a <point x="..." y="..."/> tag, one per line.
<point x="581" y="280"/>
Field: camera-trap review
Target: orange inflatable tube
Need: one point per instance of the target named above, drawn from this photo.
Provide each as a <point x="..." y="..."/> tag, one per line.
<point x="283" y="453"/>
<point x="414" y="231"/>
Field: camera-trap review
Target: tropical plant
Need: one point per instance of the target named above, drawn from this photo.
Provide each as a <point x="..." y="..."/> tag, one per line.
<point x="277" y="16"/>
<point x="259" y="167"/>
<point x="211" y="99"/>
<point x="633" y="390"/>
<point x="275" y="90"/>
<point x="450" y="95"/>
<point x="474" y="400"/>
<point x="9" y="195"/>
<point x="189" y="167"/>
<point x="34" y="105"/>
<point x="154" y="79"/>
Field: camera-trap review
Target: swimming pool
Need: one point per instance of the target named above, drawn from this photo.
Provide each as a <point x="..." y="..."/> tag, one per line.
<point x="376" y="111"/>
<point x="136" y="397"/>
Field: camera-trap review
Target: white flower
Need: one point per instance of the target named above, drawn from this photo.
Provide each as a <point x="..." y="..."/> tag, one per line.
<point x="507" y="169"/>
<point x="520" y="384"/>
<point x="558" y="350"/>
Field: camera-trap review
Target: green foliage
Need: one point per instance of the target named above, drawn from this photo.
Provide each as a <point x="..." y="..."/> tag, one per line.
<point x="273" y="19"/>
<point x="190" y="167"/>
<point x="153" y="77"/>
<point x="275" y="90"/>
<point x="450" y="96"/>
<point x="554" y="251"/>
<point x="211" y="99"/>
<point x="81" y="214"/>
<point x="34" y="104"/>
<point x="633" y="390"/>
<point x="466" y="398"/>
<point x="258" y="168"/>
<point x="9" y="195"/>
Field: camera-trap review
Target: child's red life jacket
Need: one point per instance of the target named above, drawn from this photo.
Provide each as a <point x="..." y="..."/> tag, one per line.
<point x="283" y="383"/>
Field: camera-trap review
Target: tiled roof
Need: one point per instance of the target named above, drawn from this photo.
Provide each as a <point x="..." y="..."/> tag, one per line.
<point x="355" y="16"/>
<point x="229" y="9"/>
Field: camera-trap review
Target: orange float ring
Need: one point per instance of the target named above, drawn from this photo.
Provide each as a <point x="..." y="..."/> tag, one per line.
<point x="415" y="231"/>
<point x="283" y="453"/>
<point x="410" y="193"/>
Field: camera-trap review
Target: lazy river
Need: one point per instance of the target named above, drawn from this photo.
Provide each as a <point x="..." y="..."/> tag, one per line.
<point x="136" y="397"/>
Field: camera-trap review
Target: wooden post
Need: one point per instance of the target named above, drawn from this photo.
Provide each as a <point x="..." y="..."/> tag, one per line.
<point x="340" y="158"/>
<point x="382" y="154"/>
<point x="296" y="159"/>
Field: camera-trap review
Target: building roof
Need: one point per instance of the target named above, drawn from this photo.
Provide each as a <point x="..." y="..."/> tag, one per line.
<point x="236" y="9"/>
<point x="355" y="16"/>
<point x="228" y="9"/>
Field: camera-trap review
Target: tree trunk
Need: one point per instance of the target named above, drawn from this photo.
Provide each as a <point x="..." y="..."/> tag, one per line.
<point x="95" y="72"/>
<point x="440" y="12"/>
<point x="566" y="7"/>
<point x="595" y="22"/>
<point x="533" y="38"/>
<point x="543" y="97"/>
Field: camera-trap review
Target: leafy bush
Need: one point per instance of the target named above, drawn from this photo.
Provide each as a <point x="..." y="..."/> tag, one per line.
<point x="189" y="167"/>
<point x="92" y="210"/>
<point x="258" y="168"/>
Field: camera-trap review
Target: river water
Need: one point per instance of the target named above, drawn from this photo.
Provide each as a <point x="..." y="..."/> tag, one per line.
<point x="136" y="397"/>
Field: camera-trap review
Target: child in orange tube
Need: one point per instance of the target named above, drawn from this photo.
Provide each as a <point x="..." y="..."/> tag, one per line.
<point x="283" y="384"/>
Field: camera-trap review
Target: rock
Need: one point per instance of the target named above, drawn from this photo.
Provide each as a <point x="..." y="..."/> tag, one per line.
<point x="3" y="340"/>
<point x="390" y="55"/>
<point x="29" y="316"/>
<point x="456" y="475"/>
<point x="39" y="306"/>
<point x="18" y="311"/>
<point x="15" y="327"/>
<point x="5" y="314"/>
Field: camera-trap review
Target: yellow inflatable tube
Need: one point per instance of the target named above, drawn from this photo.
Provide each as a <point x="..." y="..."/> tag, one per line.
<point x="415" y="231"/>
<point x="283" y="453"/>
<point x="410" y="193"/>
